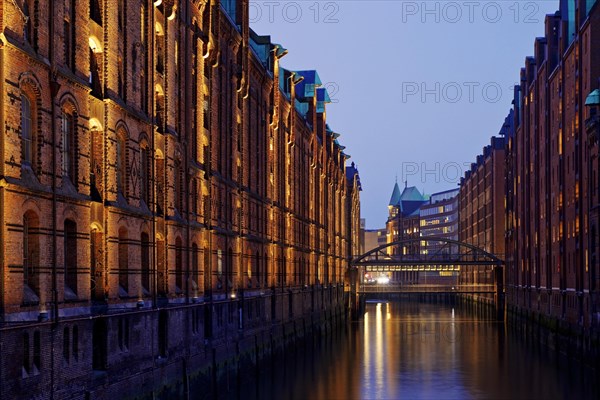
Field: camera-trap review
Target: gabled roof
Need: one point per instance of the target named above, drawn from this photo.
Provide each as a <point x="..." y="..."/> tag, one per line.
<point x="411" y="194"/>
<point x="409" y="201"/>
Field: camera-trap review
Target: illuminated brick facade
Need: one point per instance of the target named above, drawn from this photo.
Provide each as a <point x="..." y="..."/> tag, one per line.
<point x="481" y="208"/>
<point x="552" y="268"/>
<point x="154" y="154"/>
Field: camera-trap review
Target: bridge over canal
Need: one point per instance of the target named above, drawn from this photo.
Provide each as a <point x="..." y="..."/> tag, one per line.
<point x="401" y="267"/>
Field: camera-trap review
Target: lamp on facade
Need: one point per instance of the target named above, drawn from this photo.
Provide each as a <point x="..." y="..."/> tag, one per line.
<point x="279" y="51"/>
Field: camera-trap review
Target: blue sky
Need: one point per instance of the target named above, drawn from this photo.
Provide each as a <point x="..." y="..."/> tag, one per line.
<point x="418" y="86"/>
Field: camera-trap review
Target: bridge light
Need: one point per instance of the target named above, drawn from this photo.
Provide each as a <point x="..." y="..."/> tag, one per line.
<point x="383" y="280"/>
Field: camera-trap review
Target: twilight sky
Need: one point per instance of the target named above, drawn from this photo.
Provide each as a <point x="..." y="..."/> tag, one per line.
<point x="419" y="86"/>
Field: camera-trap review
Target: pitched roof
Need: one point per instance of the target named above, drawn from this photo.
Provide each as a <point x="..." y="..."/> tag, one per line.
<point x="409" y="201"/>
<point x="395" y="199"/>
<point x="411" y="194"/>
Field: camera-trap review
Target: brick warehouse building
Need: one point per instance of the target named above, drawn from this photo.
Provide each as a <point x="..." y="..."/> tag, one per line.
<point x="552" y="272"/>
<point x="164" y="185"/>
<point x="403" y="224"/>
<point x="481" y="207"/>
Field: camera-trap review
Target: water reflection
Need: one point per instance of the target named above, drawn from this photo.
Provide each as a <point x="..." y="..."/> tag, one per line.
<point x="427" y="351"/>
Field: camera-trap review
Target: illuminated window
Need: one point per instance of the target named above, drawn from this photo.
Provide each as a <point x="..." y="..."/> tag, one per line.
<point x="95" y="54"/>
<point x="69" y="147"/>
<point x="219" y="263"/>
<point x="159" y="48"/>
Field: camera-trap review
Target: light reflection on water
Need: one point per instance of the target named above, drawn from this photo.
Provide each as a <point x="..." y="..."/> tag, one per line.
<point x="423" y="351"/>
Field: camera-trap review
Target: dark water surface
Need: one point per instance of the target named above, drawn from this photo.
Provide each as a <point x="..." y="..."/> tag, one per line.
<point x="422" y="351"/>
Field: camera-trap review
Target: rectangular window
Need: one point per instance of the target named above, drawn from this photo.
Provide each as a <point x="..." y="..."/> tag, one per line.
<point x="66" y="345"/>
<point x="37" y="350"/>
<point x="95" y="14"/>
<point x="75" y="343"/>
<point x="26" y="354"/>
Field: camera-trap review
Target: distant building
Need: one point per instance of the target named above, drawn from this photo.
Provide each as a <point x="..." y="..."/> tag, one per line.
<point x="403" y="223"/>
<point x="439" y="218"/>
<point x="481" y="200"/>
<point x="481" y="207"/>
<point x="403" y="220"/>
<point x="374" y="238"/>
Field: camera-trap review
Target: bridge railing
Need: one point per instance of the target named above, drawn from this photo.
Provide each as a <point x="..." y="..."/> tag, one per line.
<point x="420" y="288"/>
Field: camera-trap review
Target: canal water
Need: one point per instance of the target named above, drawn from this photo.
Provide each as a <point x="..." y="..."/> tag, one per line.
<point x="407" y="350"/>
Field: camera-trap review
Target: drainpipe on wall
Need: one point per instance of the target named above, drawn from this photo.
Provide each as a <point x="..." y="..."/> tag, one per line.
<point x="150" y="63"/>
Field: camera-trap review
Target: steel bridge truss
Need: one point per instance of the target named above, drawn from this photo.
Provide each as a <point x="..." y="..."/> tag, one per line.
<point x="448" y="255"/>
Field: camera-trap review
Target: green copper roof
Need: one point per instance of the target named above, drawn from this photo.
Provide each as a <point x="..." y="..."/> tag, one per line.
<point x="395" y="199"/>
<point x="322" y="99"/>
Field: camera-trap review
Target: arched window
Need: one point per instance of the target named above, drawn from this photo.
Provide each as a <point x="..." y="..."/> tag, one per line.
<point x="160" y="108"/>
<point x="121" y="163"/>
<point x="123" y="262"/>
<point x="69" y="146"/>
<point x="31" y="253"/>
<point x="160" y="48"/>
<point x="96" y="163"/>
<point x="70" y="259"/>
<point x="145" y="259"/>
<point x="96" y="261"/>
<point x="95" y="69"/>
<point x="27" y="130"/>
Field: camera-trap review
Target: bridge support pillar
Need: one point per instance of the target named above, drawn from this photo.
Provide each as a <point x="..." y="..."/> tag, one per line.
<point x="499" y="295"/>
<point x="353" y="296"/>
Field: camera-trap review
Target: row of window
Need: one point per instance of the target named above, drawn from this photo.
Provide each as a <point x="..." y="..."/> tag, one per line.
<point x="298" y="271"/>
